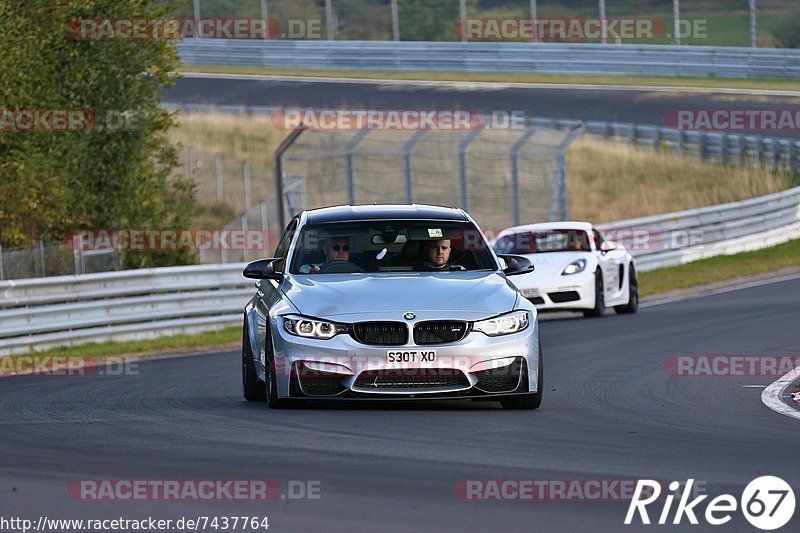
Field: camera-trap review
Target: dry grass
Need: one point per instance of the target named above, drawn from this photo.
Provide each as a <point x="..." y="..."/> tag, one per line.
<point x="607" y="180"/>
<point x="613" y="181"/>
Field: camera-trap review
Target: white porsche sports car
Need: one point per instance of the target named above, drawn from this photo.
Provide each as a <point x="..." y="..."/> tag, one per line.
<point x="576" y="268"/>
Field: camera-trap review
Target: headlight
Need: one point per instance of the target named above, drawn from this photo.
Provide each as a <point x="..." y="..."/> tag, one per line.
<point x="575" y="267"/>
<point x="503" y="324"/>
<point x="312" y="328"/>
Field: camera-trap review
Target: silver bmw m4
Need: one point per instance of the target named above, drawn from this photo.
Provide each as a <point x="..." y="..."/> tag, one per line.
<point x="385" y="302"/>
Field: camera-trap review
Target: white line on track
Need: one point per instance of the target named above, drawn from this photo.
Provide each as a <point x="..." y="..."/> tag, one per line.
<point x="489" y="85"/>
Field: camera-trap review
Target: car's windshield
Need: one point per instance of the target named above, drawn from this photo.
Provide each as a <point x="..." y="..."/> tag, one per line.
<point x="535" y="242"/>
<point x="391" y="246"/>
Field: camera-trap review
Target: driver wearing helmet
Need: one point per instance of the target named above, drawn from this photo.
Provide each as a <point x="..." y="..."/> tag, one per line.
<point x="336" y="249"/>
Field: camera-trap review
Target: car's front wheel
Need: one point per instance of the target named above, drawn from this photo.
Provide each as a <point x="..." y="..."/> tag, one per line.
<point x="254" y="390"/>
<point x="633" y="295"/>
<point x="528" y="401"/>
<point x="599" y="297"/>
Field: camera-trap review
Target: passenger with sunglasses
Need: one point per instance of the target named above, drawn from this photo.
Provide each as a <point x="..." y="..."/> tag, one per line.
<point x="336" y="249"/>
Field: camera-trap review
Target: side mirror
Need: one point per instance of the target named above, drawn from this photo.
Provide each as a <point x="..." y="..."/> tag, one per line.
<point x="516" y="265"/>
<point x="262" y="269"/>
<point x="608" y="246"/>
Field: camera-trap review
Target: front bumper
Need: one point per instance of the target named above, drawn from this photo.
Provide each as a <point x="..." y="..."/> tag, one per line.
<point x="478" y="366"/>
<point x="560" y="293"/>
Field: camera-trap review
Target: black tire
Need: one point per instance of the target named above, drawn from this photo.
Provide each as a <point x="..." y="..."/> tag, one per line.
<point x="273" y="401"/>
<point x="254" y="390"/>
<point x="633" y="300"/>
<point x="528" y="401"/>
<point x="599" y="297"/>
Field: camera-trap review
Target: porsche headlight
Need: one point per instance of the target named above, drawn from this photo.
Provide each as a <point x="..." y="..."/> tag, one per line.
<point x="575" y="267"/>
<point x="312" y="328"/>
<point x="503" y="325"/>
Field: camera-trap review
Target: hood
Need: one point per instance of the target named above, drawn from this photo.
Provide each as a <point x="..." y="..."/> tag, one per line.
<point x="471" y="295"/>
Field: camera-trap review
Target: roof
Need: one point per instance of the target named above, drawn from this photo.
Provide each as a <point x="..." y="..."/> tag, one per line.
<point x="566" y="225"/>
<point x="346" y="213"/>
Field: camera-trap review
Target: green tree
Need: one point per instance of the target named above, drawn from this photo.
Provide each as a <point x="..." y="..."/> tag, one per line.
<point x="55" y="182"/>
<point x="431" y="20"/>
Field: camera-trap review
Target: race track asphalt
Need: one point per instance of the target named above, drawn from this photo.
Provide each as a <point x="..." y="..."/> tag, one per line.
<point x="641" y="106"/>
<point x="611" y="411"/>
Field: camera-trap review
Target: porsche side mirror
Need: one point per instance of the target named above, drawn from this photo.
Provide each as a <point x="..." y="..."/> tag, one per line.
<point x="608" y="246"/>
<point x="262" y="269"/>
<point x="516" y="265"/>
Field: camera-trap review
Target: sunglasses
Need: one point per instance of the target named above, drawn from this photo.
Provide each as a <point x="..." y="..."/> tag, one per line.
<point x="338" y="247"/>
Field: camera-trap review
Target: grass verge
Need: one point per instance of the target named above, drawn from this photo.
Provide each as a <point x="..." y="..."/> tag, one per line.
<point x="723" y="268"/>
<point x="504" y="77"/>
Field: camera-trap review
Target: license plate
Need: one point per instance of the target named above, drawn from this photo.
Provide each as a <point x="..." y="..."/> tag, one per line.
<point x="410" y="356"/>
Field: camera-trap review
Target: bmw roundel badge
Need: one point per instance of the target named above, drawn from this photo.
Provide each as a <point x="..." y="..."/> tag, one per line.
<point x="409" y="316"/>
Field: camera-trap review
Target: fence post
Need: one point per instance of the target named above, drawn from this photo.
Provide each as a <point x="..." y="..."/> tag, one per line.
<point x="760" y="151"/>
<point x="656" y="138"/>
<point x="680" y="143"/>
<point x="776" y="154"/>
<point x="76" y="243"/>
<point x="723" y="148"/>
<point x="2" y="275"/>
<point x="462" y="164"/>
<point x="701" y="146"/>
<point x="793" y="157"/>
<point x="278" y="161"/>
<point x="515" y="173"/>
<point x="218" y="172"/>
<point x="348" y="162"/>
<point x="192" y="162"/>
<point x="246" y="172"/>
<point x="408" y="147"/>
<point x="245" y="229"/>
<point x="41" y="258"/>
<point x="742" y="150"/>
<point x="265" y="226"/>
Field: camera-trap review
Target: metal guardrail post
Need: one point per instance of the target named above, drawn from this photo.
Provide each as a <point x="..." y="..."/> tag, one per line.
<point x="348" y="164"/>
<point x="702" y="142"/>
<point x="515" y="200"/>
<point x="287" y="142"/>
<point x="776" y="154"/>
<point x="462" y="164"/>
<point x="408" y="147"/>
<point x="656" y="138"/>
<point x="793" y="157"/>
<point x="2" y="274"/>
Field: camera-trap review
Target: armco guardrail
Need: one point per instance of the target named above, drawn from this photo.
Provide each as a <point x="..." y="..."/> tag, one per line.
<point x="555" y="58"/>
<point x="133" y="304"/>
<point x="723" y="148"/>
<point x="46" y="312"/>
<point x="677" y="238"/>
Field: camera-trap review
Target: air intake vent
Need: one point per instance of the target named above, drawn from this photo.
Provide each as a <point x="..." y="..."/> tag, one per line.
<point x="381" y="333"/>
<point x="440" y="331"/>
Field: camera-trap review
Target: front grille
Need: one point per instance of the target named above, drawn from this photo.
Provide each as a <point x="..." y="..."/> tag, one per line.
<point x="440" y="331"/>
<point x="563" y="297"/>
<point x="411" y="378"/>
<point x="503" y="379"/>
<point x="316" y="383"/>
<point x="381" y="333"/>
